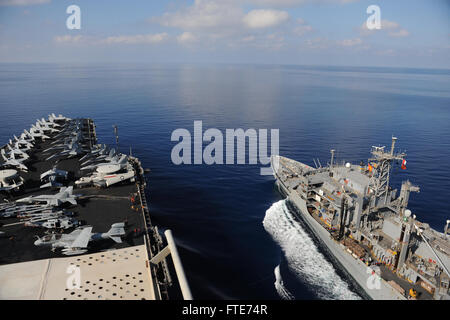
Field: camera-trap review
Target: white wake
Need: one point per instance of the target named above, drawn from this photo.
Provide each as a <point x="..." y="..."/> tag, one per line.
<point x="303" y="257"/>
<point x="279" y="285"/>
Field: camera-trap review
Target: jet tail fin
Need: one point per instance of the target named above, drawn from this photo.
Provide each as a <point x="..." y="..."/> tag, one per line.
<point x="72" y="201"/>
<point x="3" y="155"/>
<point x="116" y="239"/>
<point x="123" y="159"/>
<point x="117" y="230"/>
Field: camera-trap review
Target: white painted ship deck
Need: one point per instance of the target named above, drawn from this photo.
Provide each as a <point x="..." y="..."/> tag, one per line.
<point x="120" y="274"/>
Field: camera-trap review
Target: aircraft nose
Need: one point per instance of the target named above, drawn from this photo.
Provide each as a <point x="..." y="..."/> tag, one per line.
<point x="37" y="243"/>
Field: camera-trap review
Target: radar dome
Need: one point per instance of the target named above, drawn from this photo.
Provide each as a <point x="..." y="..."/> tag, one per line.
<point x="407" y="213"/>
<point x="348" y="165"/>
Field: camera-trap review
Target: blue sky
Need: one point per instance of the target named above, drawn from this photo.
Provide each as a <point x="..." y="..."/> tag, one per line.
<point x="307" y="32"/>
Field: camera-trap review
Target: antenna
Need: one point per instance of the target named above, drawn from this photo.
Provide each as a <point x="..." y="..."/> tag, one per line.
<point x="446" y="229"/>
<point x="116" y="133"/>
<point x="394" y="139"/>
<point x="332" y="157"/>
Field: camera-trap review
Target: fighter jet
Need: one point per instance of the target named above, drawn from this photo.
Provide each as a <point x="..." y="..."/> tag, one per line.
<point x="77" y="241"/>
<point x="45" y="126"/>
<point x="44" y="214"/>
<point x="122" y="161"/>
<point x="64" y="195"/>
<point x="62" y="143"/>
<point x="96" y="152"/>
<point x="22" y="142"/>
<point x="107" y="175"/>
<point x="67" y="141"/>
<point x="35" y="133"/>
<point x="25" y="139"/>
<point x="53" y="118"/>
<point x="74" y="150"/>
<point x="17" y="152"/>
<point x="13" y="162"/>
<point x="42" y="130"/>
<point x="103" y="155"/>
<point x="51" y="121"/>
<point x="55" y="223"/>
<point x="72" y="128"/>
<point x="52" y="176"/>
<point x="27" y="136"/>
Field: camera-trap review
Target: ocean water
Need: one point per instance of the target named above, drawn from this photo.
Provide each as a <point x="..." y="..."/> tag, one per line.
<point x="236" y="235"/>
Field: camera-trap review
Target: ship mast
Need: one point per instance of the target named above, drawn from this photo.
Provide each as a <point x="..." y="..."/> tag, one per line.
<point x="332" y="158"/>
<point x="379" y="183"/>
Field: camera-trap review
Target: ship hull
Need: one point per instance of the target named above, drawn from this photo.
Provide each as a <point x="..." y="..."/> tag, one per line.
<point x="357" y="271"/>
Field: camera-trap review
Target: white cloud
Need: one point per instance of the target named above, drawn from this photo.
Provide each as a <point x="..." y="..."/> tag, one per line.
<point x="70" y="39"/>
<point x="186" y="37"/>
<point x="272" y="41"/>
<point x="386" y="24"/>
<point x="215" y="23"/>
<point x="349" y="42"/>
<point x="399" y="33"/>
<point x="392" y="28"/>
<point x="203" y="14"/>
<point x="137" y="39"/>
<point x="386" y="52"/>
<point x="227" y="16"/>
<point x="222" y="22"/>
<point x="248" y="39"/>
<point x="321" y="43"/>
<point x="129" y="39"/>
<point x="295" y="3"/>
<point x="317" y="43"/>
<point x="263" y="18"/>
<point x="302" y="27"/>
<point x="22" y="2"/>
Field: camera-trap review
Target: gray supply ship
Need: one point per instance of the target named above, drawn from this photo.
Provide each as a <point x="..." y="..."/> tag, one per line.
<point x="366" y="228"/>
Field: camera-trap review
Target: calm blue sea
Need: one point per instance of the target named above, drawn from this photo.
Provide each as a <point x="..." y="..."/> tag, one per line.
<point x="236" y="237"/>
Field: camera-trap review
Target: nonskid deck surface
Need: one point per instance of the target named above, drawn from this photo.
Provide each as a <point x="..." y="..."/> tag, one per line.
<point x="99" y="208"/>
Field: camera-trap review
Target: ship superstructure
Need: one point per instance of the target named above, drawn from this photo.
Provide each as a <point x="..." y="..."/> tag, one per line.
<point x="366" y="224"/>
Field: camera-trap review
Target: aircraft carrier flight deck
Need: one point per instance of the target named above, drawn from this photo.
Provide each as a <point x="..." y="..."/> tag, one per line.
<point x="65" y="196"/>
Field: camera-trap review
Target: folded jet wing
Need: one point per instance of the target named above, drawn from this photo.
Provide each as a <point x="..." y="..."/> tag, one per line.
<point x="83" y="239"/>
<point x="64" y="195"/>
<point x="13" y="162"/>
<point x="79" y="246"/>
